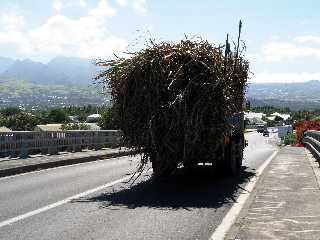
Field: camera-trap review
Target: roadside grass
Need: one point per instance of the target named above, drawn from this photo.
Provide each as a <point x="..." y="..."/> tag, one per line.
<point x="290" y="139"/>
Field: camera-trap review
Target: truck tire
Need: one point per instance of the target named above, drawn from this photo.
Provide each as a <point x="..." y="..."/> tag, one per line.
<point x="162" y="169"/>
<point x="239" y="155"/>
<point x="231" y="162"/>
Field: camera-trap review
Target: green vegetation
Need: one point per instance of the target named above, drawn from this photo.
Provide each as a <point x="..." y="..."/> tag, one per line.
<point x="107" y="120"/>
<point x="270" y="109"/>
<point x="57" y="116"/>
<point x="25" y="120"/>
<point x="75" y="126"/>
<point x="296" y="116"/>
<point x="28" y="95"/>
<point x="290" y="139"/>
<point x="21" y="121"/>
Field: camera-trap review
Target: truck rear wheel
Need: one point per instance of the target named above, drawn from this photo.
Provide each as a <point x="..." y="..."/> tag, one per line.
<point x="230" y="159"/>
<point x="162" y="168"/>
<point x="239" y="155"/>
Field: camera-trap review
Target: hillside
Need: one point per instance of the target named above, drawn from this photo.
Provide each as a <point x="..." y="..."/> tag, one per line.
<point x="296" y="96"/>
<point x="5" y="63"/>
<point x="60" y="70"/>
<point x="65" y="81"/>
<point x="60" y="82"/>
<point x="34" y="96"/>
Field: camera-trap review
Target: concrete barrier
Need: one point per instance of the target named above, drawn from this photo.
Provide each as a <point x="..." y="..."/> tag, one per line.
<point x="23" y="143"/>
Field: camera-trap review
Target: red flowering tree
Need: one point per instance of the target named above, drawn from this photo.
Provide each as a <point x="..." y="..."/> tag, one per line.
<point x="305" y="126"/>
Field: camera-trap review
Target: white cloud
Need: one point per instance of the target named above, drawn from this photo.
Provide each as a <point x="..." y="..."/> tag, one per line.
<point x="140" y="6"/>
<point x="278" y="51"/>
<point x="11" y="20"/>
<point x="103" y="10"/>
<point x="86" y="36"/>
<point x="58" y="5"/>
<point x="252" y="57"/>
<point x="308" y="39"/>
<point x="103" y="47"/>
<point x="268" y="77"/>
<point x="12" y="23"/>
<point x="122" y="3"/>
<point x="83" y="3"/>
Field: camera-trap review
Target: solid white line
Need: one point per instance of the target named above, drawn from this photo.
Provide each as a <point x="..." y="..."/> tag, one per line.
<point x="229" y="219"/>
<point x="59" y="203"/>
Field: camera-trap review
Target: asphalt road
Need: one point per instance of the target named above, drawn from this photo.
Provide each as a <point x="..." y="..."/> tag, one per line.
<point x="189" y="205"/>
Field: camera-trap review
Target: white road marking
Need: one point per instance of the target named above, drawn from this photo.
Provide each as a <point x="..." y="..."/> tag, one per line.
<point x="229" y="219"/>
<point x="59" y="203"/>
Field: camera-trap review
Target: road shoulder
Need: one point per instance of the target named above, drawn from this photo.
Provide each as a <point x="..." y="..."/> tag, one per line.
<point x="286" y="201"/>
<point x="17" y="166"/>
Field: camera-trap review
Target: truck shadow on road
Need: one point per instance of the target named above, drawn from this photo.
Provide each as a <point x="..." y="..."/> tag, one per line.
<point x="191" y="188"/>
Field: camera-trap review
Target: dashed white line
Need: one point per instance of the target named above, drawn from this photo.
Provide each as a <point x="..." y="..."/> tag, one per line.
<point x="59" y="203"/>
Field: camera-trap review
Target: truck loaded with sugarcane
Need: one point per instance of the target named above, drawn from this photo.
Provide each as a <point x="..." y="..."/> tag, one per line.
<point x="180" y="104"/>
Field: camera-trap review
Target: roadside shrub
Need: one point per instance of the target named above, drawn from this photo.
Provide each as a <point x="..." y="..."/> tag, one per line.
<point x="305" y="126"/>
<point x="290" y="139"/>
<point x="22" y="121"/>
<point x="107" y="120"/>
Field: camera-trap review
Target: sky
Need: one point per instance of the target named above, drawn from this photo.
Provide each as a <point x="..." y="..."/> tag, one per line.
<point x="282" y="37"/>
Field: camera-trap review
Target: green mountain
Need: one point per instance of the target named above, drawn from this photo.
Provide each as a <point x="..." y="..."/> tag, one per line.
<point x="67" y="81"/>
<point x="58" y="71"/>
<point x="296" y="96"/>
<point x="35" y="96"/>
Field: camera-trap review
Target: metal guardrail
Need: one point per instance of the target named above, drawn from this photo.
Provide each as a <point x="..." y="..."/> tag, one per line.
<point x="23" y="143"/>
<point x="312" y="142"/>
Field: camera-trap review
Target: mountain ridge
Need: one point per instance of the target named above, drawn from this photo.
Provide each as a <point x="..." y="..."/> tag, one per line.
<point x="296" y="96"/>
<point x="59" y="70"/>
<point x="72" y="73"/>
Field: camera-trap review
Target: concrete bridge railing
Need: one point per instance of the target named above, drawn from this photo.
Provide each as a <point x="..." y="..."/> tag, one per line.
<point x="24" y="143"/>
<point x="312" y="142"/>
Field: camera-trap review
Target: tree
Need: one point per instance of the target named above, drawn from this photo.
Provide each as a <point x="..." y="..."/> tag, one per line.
<point x="278" y="119"/>
<point x="57" y="116"/>
<point x="22" y="122"/>
<point x="3" y="121"/>
<point x="9" y="111"/>
<point x="107" y="120"/>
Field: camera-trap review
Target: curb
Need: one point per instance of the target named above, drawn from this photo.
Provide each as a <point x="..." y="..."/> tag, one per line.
<point x="314" y="165"/>
<point x="228" y="227"/>
<point x="65" y="162"/>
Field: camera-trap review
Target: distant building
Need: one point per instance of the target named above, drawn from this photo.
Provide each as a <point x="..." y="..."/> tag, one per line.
<point x="284" y="131"/>
<point x="250" y="115"/>
<point x="93" y="118"/>
<point x="254" y="119"/>
<point x="5" y="129"/>
<point x="74" y="119"/>
<point x="271" y="118"/>
<point x="283" y="116"/>
<point x="48" y="127"/>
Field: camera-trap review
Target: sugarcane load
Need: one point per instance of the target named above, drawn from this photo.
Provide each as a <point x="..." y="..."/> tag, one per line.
<point x="180" y="104"/>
